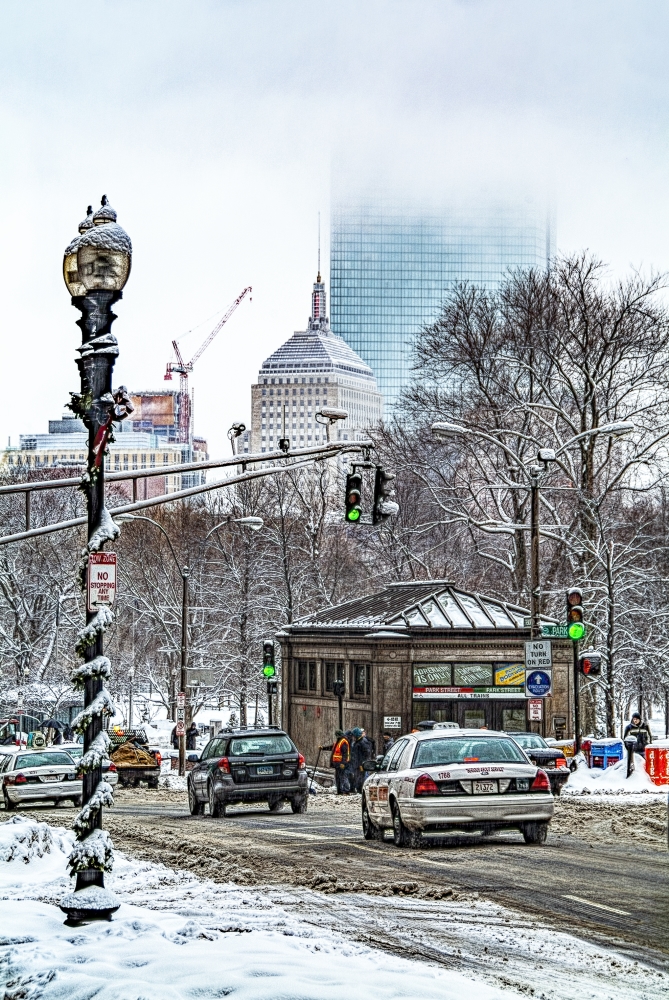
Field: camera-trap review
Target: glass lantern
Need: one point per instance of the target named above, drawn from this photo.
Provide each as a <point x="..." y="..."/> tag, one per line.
<point x="100" y="257"/>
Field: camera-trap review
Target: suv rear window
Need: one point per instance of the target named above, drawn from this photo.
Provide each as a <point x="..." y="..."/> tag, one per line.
<point x="488" y="750"/>
<point x="259" y="745"/>
<point x="41" y="760"/>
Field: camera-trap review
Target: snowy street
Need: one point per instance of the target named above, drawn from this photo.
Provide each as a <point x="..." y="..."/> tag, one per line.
<point x="179" y="936"/>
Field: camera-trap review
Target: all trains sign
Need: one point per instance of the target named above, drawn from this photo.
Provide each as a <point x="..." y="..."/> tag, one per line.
<point x="101" y="580"/>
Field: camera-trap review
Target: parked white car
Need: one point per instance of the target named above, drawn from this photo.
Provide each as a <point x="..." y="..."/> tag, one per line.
<point x="32" y="776"/>
<point x="447" y="780"/>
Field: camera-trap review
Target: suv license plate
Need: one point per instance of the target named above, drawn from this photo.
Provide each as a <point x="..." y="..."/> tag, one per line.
<point x="264" y="770"/>
<point x="484" y="787"/>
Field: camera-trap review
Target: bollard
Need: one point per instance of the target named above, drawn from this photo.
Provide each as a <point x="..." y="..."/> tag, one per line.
<point x="630" y="744"/>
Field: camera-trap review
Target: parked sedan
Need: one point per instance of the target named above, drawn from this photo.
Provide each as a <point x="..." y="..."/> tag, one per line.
<point x="248" y="765"/>
<point x="551" y="759"/>
<point x="38" y="776"/>
<point x="76" y="750"/>
<point x="445" y="780"/>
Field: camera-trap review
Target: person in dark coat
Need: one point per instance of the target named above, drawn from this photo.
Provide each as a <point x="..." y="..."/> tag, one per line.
<point x="388" y="742"/>
<point x="174" y="739"/>
<point x="362" y="749"/>
<point x="641" y="732"/>
<point x="191" y="737"/>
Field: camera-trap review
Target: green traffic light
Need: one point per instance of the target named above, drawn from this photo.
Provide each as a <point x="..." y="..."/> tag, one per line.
<point x="576" y="631"/>
<point x="353" y="515"/>
<point x="269" y="670"/>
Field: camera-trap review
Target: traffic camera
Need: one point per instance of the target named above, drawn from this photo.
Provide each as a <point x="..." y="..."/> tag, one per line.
<point x="575" y="623"/>
<point x="353" y="497"/>
<point x="268" y="667"/>
<point x="384" y="506"/>
<point x="590" y="663"/>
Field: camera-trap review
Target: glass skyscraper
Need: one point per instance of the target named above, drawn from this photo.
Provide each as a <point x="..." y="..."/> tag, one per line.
<point x="391" y="265"/>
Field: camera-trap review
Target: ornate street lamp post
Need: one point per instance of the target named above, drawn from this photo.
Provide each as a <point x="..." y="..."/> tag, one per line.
<point x="95" y="267"/>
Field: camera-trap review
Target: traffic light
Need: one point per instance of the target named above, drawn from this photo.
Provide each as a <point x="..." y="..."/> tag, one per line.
<point x="272" y="688"/>
<point x="575" y="624"/>
<point x="590" y="663"/>
<point x="268" y="667"/>
<point x="384" y="506"/>
<point x="353" y="497"/>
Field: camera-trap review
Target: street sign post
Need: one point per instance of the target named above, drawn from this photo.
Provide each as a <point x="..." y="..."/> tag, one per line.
<point x="101" y="580"/>
<point x="538" y="655"/>
<point x="555" y="631"/>
<point x="392" y="721"/>
<point x="535" y="710"/>
<point x="538" y="683"/>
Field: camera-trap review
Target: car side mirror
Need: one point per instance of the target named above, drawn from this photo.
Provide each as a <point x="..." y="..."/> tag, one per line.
<point x="370" y="765"/>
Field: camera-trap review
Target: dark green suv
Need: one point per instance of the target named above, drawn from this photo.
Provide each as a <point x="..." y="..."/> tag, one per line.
<point x="248" y="765"/>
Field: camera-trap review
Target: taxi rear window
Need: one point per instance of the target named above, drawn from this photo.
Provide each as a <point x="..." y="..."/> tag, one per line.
<point x="488" y="750"/>
<point x="45" y="759"/>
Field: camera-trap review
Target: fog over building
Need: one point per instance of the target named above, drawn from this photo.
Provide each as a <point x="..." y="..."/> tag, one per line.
<point x="314" y="368"/>
<point x="392" y="262"/>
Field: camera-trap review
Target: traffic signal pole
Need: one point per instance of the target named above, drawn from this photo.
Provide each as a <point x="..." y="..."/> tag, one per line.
<point x="534" y="553"/>
<point x="184" y="661"/>
<point x="577" y="700"/>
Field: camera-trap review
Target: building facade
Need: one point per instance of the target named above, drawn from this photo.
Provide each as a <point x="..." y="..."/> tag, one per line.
<point x="392" y="264"/>
<point x="415" y="651"/>
<point x="314" y="368"/>
<point x="149" y="439"/>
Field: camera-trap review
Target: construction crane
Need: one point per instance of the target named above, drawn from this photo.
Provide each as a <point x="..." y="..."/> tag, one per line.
<point x="184" y="368"/>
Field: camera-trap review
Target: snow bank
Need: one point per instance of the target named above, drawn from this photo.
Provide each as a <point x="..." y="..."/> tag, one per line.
<point x="24" y="840"/>
<point x="175" y="782"/>
<point x="612" y="781"/>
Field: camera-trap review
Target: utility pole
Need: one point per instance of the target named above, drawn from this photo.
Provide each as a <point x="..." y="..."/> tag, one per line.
<point x="534" y="551"/>
<point x="184" y="662"/>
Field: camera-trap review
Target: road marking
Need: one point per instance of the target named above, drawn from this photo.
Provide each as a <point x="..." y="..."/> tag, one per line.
<point x="600" y="906"/>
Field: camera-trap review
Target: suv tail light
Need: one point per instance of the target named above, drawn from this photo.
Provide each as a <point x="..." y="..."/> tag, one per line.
<point x="426" y="786"/>
<point x="301" y="762"/>
<point x="224" y="765"/>
<point x="541" y="782"/>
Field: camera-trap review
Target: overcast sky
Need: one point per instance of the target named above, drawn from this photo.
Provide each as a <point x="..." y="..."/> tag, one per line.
<point x="212" y="127"/>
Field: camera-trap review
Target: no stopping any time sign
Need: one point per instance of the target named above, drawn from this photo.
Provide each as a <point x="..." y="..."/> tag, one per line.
<point x="101" y="577"/>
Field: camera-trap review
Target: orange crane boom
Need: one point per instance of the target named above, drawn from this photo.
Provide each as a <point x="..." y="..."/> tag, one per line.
<point x="184" y="368"/>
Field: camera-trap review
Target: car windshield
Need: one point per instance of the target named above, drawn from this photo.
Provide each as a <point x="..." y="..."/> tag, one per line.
<point x="259" y="745"/>
<point x="45" y="759"/>
<point x="488" y="750"/>
<point x="530" y="741"/>
<point x="75" y="752"/>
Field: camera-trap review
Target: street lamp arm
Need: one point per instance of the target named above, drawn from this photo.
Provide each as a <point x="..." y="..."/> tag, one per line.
<point x="143" y="517"/>
<point x="443" y="428"/>
<point x="615" y="429"/>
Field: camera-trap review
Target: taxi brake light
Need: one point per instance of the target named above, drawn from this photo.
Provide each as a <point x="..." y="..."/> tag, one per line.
<point x="468" y="760"/>
<point x="560" y="762"/>
<point x="20" y="779"/>
<point x="541" y="782"/>
<point x="224" y="765"/>
<point x="425" y="785"/>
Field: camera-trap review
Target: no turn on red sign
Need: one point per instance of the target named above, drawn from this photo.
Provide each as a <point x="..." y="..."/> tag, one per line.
<point x="101" y="577"/>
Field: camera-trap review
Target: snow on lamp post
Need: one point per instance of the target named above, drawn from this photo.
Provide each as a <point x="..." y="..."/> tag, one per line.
<point x="96" y="267"/>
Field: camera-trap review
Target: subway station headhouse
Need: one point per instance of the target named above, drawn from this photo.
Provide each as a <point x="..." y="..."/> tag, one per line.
<point x="412" y="652"/>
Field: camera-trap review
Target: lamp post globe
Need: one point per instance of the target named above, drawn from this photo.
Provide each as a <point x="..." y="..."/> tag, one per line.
<point x="96" y="265"/>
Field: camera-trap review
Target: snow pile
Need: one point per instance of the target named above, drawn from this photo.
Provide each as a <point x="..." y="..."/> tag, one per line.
<point x="612" y="781"/>
<point x="23" y="839"/>
<point x="174" y="782"/>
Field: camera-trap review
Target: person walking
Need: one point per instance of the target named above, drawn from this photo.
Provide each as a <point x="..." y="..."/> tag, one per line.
<point x="340" y="759"/>
<point x="191" y="737"/>
<point x="388" y="742"/>
<point x="641" y="732"/>
<point x="174" y="739"/>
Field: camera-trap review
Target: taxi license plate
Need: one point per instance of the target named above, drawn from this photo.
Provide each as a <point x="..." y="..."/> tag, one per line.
<point x="50" y="777"/>
<point x="264" y="770"/>
<point x="484" y="787"/>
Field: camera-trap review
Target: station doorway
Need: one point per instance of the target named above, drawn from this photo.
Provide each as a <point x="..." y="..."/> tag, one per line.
<point x="509" y="715"/>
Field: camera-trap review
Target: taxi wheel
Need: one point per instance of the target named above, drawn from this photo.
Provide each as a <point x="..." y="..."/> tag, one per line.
<point x="535" y="833"/>
<point x="401" y="836"/>
<point x="216" y="808"/>
<point x="196" y="808"/>
<point x="9" y="805"/>
<point x="369" y="830"/>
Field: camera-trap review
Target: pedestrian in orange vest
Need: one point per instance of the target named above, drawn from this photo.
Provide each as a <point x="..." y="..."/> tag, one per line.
<point x="339" y="760"/>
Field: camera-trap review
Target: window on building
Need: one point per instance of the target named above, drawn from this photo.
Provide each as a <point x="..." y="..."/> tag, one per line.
<point x="361" y="679"/>
<point x="306" y="675"/>
<point x="334" y="671"/>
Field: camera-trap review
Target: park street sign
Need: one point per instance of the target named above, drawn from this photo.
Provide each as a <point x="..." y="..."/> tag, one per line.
<point x="555" y="631"/>
<point x="538" y="655"/>
<point x="101" y="580"/>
